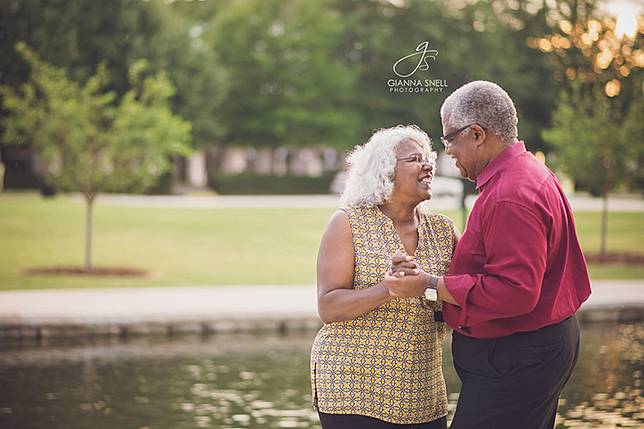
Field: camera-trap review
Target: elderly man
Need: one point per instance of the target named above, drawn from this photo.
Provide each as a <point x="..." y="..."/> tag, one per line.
<point x="518" y="275"/>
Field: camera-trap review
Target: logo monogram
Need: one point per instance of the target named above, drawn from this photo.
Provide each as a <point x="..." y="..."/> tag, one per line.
<point x="422" y="52"/>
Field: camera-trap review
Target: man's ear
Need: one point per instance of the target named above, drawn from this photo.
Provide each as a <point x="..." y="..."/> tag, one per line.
<point x="479" y="134"/>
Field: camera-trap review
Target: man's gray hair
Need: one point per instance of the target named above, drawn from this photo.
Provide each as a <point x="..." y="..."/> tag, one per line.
<point x="372" y="166"/>
<point x="484" y="103"/>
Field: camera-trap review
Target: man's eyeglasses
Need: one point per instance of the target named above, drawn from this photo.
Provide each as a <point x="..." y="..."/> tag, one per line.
<point x="447" y="138"/>
<point x="417" y="157"/>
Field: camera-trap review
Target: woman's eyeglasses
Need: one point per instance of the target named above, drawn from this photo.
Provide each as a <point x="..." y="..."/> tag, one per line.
<point x="417" y="157"/>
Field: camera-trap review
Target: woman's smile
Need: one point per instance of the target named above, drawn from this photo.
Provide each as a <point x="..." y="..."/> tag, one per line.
<point x="426" y="180"/>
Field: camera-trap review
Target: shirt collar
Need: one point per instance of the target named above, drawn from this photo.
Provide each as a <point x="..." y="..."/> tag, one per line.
<point x="498" y="163"/>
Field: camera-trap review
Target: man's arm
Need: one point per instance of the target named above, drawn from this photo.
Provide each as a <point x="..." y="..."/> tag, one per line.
<point x="515" y="241"/>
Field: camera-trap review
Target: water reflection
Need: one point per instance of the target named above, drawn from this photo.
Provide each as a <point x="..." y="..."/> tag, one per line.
<point x="255" y="381"/>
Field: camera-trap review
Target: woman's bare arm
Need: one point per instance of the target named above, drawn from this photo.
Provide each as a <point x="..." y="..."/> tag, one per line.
<point x="337" y="299"/>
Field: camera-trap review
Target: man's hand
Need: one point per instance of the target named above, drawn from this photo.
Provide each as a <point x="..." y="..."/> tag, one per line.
<point x="403" y="263"/>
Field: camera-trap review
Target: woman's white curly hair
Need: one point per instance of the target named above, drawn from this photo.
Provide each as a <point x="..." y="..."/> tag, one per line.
<point x="372" y="166"/>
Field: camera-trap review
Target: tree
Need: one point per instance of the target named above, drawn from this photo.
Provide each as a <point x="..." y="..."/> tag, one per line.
<point x="633" y="134"/>
<point x="285" y="87"/>
<point x="597" y="127"/>
<point x="375" y="35"/>
<point x="88" y="142"/>
<point x="593" y="147"/>
<point x="78" y="35"/>
<point x="193" y="66"/>
<point x="475" y="40"/>
<point x="593" y="59"/>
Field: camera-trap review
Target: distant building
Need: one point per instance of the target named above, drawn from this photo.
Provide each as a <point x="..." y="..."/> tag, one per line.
<point x="19" y="168"/>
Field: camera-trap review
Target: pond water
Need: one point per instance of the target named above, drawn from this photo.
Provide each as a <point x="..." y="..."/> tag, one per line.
<point x="255" y="381"/>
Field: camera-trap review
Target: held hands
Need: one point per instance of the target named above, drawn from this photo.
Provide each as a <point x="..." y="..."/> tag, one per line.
<point x="404" y="279"/>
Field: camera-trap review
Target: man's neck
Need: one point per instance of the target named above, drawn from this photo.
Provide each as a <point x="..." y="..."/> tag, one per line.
<point x="494" y="150"/>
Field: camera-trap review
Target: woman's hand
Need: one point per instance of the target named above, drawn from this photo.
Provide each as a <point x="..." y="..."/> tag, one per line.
<point x="404" y="279"/>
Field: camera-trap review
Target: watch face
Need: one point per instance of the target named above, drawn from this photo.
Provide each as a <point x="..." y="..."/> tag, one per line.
<point x="431" y="294"/>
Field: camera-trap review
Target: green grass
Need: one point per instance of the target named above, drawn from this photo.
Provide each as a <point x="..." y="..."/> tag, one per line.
<point x="202" y="246"/>
<point x="625" y="233"/>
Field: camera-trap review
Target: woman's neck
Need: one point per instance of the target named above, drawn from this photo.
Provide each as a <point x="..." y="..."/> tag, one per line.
<point x="399" y="213"/>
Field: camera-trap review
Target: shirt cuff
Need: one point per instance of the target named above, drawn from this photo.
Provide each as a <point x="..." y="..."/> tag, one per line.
<point x="459" y="287"/>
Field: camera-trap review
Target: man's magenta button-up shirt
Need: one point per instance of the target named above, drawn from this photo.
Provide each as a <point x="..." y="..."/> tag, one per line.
<point x="518" y="266"/>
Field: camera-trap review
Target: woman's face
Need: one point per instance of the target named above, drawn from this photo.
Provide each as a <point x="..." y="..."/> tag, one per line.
<point x="413" y="177"/>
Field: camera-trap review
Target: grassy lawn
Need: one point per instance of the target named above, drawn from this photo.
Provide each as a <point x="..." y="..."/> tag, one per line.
<point x="203" y="246"/>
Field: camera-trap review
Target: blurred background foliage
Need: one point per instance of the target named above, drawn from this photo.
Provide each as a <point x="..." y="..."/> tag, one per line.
<point x="306" y="73"/>
<point x="240" y="95"/>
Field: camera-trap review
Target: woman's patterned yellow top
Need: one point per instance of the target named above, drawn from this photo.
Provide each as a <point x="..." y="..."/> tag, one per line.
<point x="387" y="363"/>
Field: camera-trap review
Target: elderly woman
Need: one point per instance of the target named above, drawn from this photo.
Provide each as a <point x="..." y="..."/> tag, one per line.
<point x="376" y="363"/>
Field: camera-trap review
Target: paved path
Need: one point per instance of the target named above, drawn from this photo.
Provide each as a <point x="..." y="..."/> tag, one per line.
<point x="71" y="311"/>
<point x="578" y="202"/>
<point x="123" y="305"/>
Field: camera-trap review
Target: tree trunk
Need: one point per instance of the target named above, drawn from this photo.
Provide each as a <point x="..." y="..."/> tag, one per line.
<point x="604" y="223"/>
<point x="89" y="199"/>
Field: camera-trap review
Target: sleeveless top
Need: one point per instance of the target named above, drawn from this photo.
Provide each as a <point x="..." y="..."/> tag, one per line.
<point x="387" y="363"/>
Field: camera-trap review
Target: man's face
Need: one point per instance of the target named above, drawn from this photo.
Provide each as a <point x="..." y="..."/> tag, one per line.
<point x="461" y="147"/>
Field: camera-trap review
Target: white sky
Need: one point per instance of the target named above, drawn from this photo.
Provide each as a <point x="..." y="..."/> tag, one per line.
<point x="626" y="12"/>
